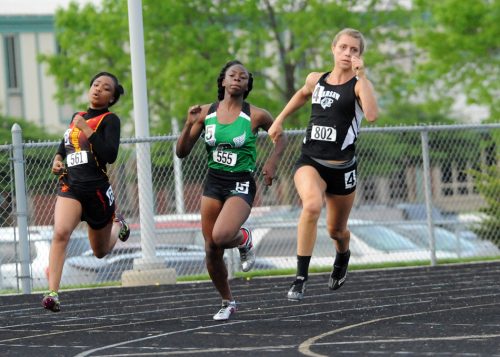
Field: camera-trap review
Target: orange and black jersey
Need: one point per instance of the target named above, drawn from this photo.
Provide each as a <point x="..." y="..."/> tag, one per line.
<point x="86" y="158"/>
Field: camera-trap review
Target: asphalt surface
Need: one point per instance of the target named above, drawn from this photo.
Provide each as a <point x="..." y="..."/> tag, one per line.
<point x="448" y="310"/>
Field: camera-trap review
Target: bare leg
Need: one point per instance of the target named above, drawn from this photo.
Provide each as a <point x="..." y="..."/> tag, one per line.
<point x="67" y="215"/>
<point x="338" y="209"/>
<point x="310" y="187"/>
<point x="221" y="224"/>
<point x="103" y="240"/>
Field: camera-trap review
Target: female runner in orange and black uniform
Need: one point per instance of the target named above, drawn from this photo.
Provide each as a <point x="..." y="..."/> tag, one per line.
<point x="84" y="193"/>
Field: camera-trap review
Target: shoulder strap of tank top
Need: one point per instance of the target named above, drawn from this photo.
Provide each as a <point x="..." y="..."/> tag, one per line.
<point x="213" y="108"/>
<point x="323" y="77"/>
<point x="246" y="108"/>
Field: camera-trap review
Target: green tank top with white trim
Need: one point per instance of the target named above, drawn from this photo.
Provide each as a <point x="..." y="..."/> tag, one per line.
<point x="230" y="147"/>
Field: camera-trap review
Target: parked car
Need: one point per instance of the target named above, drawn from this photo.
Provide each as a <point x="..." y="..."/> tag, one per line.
<point x="370" y="242"/>
<point x="418" y="212"/>
<point x="185" y="259"/>
<point x="39" y="246"/>
<point x="446" y="241"/>
<point x="378" y="243"/>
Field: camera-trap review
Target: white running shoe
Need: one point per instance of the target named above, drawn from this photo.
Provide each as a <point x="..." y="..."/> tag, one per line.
<point x="228" y="308"/>
<point x="247" y="252"/>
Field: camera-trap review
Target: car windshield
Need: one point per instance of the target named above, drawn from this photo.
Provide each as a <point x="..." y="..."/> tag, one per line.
<point x="382" y="238"/>
<point x="444" y="239"/>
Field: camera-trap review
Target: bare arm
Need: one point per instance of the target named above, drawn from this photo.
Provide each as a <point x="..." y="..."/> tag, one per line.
<point x="296" y="102"/>
<point x="264" y="120"/>
<point x="191" y="131"/>
<point x="364" y="91"/>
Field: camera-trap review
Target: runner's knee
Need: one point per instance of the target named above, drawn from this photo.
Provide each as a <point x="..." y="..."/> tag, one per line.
<point x="338" y="234"/>
<point x="311" y="209"/>
<point x="222" y="236"/>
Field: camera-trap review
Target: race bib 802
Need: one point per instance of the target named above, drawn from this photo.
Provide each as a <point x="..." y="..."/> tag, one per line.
<point x="323" y="133"/>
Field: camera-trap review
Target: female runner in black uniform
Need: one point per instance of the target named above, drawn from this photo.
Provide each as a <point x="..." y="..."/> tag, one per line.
<point x="327" y="168"/>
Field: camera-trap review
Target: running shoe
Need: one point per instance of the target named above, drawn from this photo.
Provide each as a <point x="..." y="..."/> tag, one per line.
<point x="51" y="302"/>
<point x="227" y="309"/>
<point x="124" y="230"/>
<point x="247" y="252"/>
<point x="339" y="273"/>
<point x="297" y="289"/>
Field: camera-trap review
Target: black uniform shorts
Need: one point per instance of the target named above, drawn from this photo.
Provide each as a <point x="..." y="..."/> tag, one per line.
<point x="221" y="185"/>
<point x="341" y="179"/>
<point x="98" y="203"/>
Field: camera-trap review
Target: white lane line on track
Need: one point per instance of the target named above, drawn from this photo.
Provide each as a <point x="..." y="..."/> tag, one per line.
<point x="187" y="318"/>
<point x="191" y="351"/>
<point x="413" y="339"/>
<point x="196" y="317"/>
<point x="86" y="353"/>
<point x="158" y="295"/>
<point x="235" y="322"/>
<point x="281" y="348"/>
<point x="305" y="347"/>
<point x="128" y="323"/>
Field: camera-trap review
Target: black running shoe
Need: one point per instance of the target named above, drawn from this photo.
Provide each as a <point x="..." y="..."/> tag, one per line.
<point x="339" y="273"/>
<point x="297" y="289"/>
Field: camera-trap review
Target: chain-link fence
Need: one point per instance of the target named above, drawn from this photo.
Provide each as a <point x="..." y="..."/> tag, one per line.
<point x="417" y="187"/>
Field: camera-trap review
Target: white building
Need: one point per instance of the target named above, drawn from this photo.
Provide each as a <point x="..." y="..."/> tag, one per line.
<point x="25" y="89"/>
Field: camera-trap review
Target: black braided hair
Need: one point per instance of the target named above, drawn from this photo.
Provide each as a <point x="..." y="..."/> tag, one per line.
<point x="118" y="87"/>
<point x="220" y="88"/>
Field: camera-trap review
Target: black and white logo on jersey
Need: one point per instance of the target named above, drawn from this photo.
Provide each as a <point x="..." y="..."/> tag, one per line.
<point x="324" y="97"/>
<point x="210" y="134"/>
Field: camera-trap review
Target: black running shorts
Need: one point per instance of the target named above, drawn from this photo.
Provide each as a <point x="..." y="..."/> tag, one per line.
<point x="98" y="204"/>
<point x="221" y="185"/>
<point x="340" y="179"/>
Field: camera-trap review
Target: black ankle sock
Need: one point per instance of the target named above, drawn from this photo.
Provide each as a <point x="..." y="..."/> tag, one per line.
<point x="342" y="258"/>
<point x="303" y="266"/>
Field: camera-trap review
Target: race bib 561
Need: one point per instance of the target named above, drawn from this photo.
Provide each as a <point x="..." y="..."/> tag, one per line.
<point x="77" y="158"/>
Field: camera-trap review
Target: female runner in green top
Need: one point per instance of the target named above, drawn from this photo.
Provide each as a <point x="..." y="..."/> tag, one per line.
<point x="230" y="128"/>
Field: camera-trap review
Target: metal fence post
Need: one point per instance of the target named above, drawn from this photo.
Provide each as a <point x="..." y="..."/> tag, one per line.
<point x="428" y="194"/>
<point x="141" y="119"/>
<point x="179" y="186"/>
<point x="21" y="208"/>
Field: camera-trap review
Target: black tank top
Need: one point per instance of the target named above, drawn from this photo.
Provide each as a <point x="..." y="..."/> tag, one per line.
<point x="335" y="121"/>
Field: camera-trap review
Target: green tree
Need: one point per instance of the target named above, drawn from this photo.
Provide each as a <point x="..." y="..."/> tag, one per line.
<point x="458" y="51"/>
<point x="37" y="159"/>
<point x="186" y="44"/>
<point x="31" y="132"/>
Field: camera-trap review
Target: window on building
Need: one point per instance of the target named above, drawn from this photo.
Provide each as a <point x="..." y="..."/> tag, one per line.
<point x="398" y="187"/>
<point x="369" y="191"/>
<point x="11" y="54"/>
<point x="446" y="173"/>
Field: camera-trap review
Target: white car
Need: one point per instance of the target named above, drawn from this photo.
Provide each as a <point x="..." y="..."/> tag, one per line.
<point x="39" y="247"/>
<point x="370" y="242"/>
